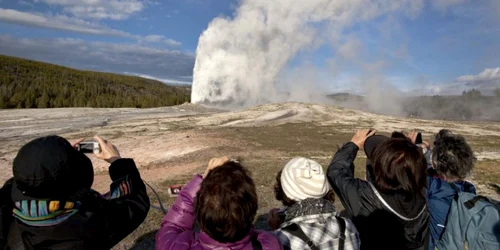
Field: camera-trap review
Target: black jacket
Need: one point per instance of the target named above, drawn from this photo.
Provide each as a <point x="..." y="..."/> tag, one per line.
<point x="378" y="226"/>
<point x="100" y="222"/>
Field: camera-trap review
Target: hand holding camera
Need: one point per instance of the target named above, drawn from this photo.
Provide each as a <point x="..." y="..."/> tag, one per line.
<point x="275" y="217"/>
<point x="361" y="135"/>
<point x="108" y="151"/>
<point x="99" y="147"/>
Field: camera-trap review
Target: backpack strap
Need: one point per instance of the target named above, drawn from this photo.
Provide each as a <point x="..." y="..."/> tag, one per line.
<point x="256" y="245"/>
<point x="296" y="231"/>
<point x="342" y="229"/>
<point x="472" y="202"/>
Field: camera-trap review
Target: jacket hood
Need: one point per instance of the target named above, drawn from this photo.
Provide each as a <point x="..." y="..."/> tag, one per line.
<point x="50" y="168"/>
<point x="399" y="205"/>
<point x="267" y="239"/>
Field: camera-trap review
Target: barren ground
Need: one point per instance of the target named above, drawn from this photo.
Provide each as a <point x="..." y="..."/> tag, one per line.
<point x="170" y="144"/>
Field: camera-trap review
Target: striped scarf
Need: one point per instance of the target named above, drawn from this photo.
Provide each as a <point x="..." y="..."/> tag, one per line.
<point x="43" y="213"/>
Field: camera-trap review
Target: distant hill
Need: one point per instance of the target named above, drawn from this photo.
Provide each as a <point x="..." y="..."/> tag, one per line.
<point x="471" y="105"/>
<point x="31" y="84"/>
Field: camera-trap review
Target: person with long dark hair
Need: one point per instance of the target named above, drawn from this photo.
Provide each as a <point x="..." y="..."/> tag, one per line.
<point x="391" y="212"/>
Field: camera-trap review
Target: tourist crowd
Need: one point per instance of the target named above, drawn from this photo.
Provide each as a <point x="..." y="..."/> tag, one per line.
<point x="414" y="196"/>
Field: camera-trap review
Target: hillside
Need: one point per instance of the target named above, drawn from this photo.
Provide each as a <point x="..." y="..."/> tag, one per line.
<point x="31" y="84"/>
<point x="472" y="105"/>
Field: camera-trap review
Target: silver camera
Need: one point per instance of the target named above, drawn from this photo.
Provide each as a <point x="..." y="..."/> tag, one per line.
<point x="89" y="147"/>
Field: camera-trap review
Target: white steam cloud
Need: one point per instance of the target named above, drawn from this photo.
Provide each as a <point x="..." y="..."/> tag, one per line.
<point x="241" y="60"/>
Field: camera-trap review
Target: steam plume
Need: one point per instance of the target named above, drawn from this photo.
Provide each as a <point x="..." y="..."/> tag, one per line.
<point x="239" y="59"/>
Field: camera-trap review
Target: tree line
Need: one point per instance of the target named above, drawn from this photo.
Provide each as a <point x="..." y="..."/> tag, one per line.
<point x="471" y="105"/>
<point x="31" y="84"/>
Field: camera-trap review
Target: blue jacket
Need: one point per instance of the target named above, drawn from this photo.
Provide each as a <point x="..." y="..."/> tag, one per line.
<point x="439" y="197"/>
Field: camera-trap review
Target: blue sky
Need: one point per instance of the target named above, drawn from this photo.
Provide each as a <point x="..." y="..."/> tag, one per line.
<point x="444" y="43"/>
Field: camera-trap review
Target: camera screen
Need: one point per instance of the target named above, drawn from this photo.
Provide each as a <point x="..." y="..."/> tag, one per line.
<point x="86" y="147"/>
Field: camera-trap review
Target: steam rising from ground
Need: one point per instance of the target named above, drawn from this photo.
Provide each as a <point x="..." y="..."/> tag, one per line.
<point x="241" y="61"/>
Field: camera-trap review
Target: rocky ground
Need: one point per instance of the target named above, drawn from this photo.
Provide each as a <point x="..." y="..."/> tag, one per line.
<point x="170" y="144"/>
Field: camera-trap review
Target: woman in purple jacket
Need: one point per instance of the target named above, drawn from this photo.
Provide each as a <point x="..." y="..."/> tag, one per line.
<point x="224" y="202"/>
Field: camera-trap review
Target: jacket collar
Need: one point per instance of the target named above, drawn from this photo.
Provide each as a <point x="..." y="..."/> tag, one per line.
<point x="209" y="243"/>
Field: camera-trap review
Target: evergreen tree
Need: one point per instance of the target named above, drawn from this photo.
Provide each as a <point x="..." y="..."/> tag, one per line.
<point x="43" y="101"/>
<point x="2" y="103"/>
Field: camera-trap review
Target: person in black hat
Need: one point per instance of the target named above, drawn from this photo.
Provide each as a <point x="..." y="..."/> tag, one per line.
<point x="49" y="203"/>
<point x="390" y="209"/>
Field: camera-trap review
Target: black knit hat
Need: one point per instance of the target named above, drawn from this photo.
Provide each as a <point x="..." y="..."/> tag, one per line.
<point x="372" y="142"/>
<point x="49" y="168"/>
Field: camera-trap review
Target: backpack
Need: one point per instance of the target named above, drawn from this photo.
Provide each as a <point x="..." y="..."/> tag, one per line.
<point x="472" y="223"/>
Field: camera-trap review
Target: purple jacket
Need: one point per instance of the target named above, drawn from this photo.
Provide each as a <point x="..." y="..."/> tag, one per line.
<point x="177" y="233"/>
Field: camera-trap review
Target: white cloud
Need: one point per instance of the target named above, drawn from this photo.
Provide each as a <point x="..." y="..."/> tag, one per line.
<point x="102" y="56"/>
<point x="443" y="5"/>
<point x="171" y="42"/>
<point x="163" y="80"/>
<point x="65" y="23"/>
<point x="160" y="39"/>
<point x="153" y="38"/>
<point x="99" y="9"/>
<point x="58" y="22"/>
<point x="486" y="82"/>
<point x="25" y="3"/>
<point x="485" y="75"/>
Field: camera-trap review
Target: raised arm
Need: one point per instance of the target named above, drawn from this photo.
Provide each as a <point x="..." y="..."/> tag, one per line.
<point x="128" y="203"/>
<point x="340" y="174"/>
<point x="180" y="218"/>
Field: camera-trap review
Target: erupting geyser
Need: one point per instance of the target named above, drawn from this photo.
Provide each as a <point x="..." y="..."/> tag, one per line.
<point x="239" y="60"/>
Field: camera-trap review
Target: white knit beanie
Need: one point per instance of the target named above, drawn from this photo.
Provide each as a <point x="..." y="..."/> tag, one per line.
<point x="303" y="178"/>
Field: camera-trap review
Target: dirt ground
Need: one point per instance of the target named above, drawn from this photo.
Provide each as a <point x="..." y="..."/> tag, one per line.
<point x="171" y="144"/>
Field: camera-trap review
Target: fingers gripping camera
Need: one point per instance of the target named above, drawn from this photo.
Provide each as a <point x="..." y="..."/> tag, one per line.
<point x="89" y="147"/>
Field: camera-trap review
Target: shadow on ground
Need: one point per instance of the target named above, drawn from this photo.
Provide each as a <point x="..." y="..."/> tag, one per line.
<point x="145" y="241"/>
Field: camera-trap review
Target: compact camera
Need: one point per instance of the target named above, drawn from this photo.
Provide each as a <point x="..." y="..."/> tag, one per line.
<point x="174" y="190"/>
<point x="89" y="147"/>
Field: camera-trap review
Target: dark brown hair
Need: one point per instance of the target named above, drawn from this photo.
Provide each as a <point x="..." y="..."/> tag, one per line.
<point x="280" y="195"/>
<point x="400" y="167"/>
<point x="227" y="203"/>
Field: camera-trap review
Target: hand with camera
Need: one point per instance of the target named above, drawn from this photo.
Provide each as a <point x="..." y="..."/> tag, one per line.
<point x="416" y="138"/>
<point x="108" y="151"/>
<point x="74" y="143"/>
<point x="214" y="163"/>
<point x="273" y="219"/>
<point x="361" y="135"/>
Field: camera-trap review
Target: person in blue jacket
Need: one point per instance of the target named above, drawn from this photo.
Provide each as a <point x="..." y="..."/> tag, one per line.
<point x="451" y="162"/>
